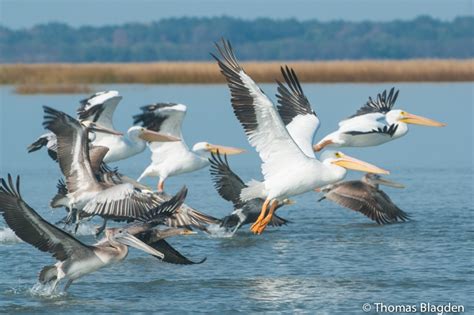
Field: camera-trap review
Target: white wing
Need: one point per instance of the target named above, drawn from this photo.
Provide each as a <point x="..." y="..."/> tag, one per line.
<point x="364" y="123"/>
<point x="100" y="108"/>
<point x="166" y="118"/>
<point x="296" y="112"/>
<point x="262" y="123"/>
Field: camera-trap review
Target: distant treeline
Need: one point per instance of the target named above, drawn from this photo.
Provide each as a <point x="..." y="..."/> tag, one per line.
<point x="186" y="39"/>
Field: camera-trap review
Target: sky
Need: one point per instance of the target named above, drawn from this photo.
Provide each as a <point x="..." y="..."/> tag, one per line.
<point x="18" y="14"/>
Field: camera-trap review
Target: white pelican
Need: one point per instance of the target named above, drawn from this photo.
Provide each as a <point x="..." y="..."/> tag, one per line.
<point x="365" y="197"/>
<point x="373" y="124"/>
<point x="174" y="158"/>
<point x="100" y="108"/>
<point x="74" y="258"/>
<point x="288" y="169"/>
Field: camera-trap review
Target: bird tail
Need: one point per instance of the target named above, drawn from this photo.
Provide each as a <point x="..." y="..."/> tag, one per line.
<point x="254" y="190"/>
<point x="201" y="220"/>
<point x="278" y="221"/>
<point x="48" y="273"/>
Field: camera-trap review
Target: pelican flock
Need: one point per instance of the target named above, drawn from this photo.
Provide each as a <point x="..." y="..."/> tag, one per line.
<point x="282" y="134"/>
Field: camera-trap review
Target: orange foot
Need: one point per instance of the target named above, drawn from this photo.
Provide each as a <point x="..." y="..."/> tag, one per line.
<point x="255" y="227"/>
<point x="268" y="218"/>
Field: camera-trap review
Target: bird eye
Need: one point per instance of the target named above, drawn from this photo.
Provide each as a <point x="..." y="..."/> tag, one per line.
<point x="338" y="154"/>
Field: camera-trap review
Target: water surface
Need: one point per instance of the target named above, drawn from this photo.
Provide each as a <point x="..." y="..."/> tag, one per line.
<point x="328" y="260"/>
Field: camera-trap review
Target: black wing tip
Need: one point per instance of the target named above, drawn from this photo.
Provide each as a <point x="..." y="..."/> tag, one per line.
<point x="383" y="103"/>
<point x="10" y="187"/>
<point x="38" y="144"/>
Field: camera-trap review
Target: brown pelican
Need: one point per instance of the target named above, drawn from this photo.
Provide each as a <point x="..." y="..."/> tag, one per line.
<point x="99" y="108"/>
<point x="85" y="192"/>
<point x="174" y="158"/>
<point x="288" y="169"/>
<point x="185" y="216"/>
<point x="74" y="258"/>
<point x="365" y="197"/>
<point x="374" y="123"/>
<point x="229" y="186"/>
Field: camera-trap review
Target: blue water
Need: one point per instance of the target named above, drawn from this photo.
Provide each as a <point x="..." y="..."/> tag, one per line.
<point x="328" y="260"/>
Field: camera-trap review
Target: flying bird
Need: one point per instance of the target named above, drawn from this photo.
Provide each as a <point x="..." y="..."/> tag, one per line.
<point x="74" y="258"/>
<point x="289" y="168"/>
<point x="365" y="197"/>
<point x="99" y="108"/>
<point x="85" y="192"/>
<point x="374" y="123"/>
<point x="174" y="158"/>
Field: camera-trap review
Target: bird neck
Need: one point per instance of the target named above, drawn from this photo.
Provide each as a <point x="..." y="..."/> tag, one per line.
<point x="333" y="173"/>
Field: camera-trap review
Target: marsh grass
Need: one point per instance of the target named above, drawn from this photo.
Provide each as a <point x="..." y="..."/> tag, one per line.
<point x="208" y="72"/>
<point x="31" y="88"/>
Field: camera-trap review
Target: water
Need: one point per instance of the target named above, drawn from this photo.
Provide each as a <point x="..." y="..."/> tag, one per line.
<point x="328" y="260"/>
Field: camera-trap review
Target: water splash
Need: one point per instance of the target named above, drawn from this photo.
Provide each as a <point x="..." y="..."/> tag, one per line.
<point x="217" y="231"/>
<point x="7" y="236"/>
<point x="86" y="229"/>
<point x="46" y="290"/>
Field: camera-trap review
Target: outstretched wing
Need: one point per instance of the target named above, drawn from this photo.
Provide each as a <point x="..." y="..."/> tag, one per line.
<point x="383" y="103"/>
<point x="226" y="182"/>
<point x="99" y="108"/>
<point x="122" y="201"/>
<point x="388" y="130"/>
<point x="296" y="112"/>
<point x="165" y="118"/>
<point x="369" y="201"/>
<point x="171" y="255"/>
<point x="263" y="125"/>
<point x="72" y="149"/>
<point x="31" y="227"/>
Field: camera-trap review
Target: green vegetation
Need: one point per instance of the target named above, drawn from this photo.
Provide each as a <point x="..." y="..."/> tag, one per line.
<point x="186" y="39"/>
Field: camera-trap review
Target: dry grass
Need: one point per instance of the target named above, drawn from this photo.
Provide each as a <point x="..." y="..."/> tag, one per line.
<point x="30" y="88"/>
<point x="208" y="72"/>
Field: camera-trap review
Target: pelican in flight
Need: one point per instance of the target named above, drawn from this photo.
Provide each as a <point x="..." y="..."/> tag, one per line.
<point x="282" y="138"/>
<point x="174" y="158"/>
<point x="229" y="186"/>
<point x="74" y="258"/>
<point x="373" y="124"/>
<point x="365" y="197"/>
<point x="85" y="192"/>
<point x="91" y="188"/>
<point x="99" y="108"/>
